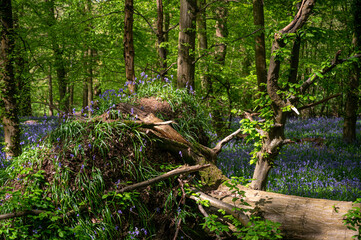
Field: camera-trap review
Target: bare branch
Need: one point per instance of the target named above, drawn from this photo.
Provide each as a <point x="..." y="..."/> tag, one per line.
<point x="150" y="25"/>
<point x="171" y="28"/>
<point x="319" y="102"/>
<point x="175" y="172"/>
<point x="217" y="149"/>
<point x="20" y="214"/>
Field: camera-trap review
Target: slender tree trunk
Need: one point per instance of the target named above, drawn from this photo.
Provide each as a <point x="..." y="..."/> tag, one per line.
<point x="129" y="45"/>
<point x="90" y="81"/>
<point x="21" y="73"/>
<point x="218" y="111"/>
<point x="206" y="82"/>
<point x="186" y="44"/>
<point x="352" y="97"/>
<point x="160" y="39"/>
<point x="9" y="111"/>
<point x="50" y="89"/>
<point x="59" y="61"/>
<point x="260" y="47"/>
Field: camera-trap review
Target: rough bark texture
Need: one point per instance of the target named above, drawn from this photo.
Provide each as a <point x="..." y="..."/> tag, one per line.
<point x="260" y="48"/>
<point x="9" y="108"/>
<point x="160" y="39"/>
<point x="206" y="82"/>
<point x="301" y="218"/>
<point x="186" y="43"/>
<point x="129" y="45"/>
<point x="352" y="97"/>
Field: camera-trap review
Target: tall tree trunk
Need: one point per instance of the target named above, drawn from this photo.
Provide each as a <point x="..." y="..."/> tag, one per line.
<point x="186" y="44"/>
<point x="260" y="47"/>
<point x="9" y="111"/>
<point x="218" y="110"/>
<point x="352" y="97"/>
<point x="206" y="82"/>
<point x="21" y="72"/>
<point x="160" y="39"/>
<point x="129" y="45"/>
<point x="59" y="60"/>
<point x="90" y="81"/>
<point x="50" y="92"/>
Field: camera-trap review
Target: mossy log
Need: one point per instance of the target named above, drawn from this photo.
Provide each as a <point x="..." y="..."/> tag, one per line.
<point x="301" y="218"/>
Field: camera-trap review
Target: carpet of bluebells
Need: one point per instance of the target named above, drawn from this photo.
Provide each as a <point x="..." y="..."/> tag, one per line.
<point x="331" y="170"/>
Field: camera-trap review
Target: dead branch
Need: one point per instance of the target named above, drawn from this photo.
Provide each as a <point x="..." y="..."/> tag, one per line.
<point x="217" y="149"/>
<point x="20" y="214"/>
<point x="175" y="172"/>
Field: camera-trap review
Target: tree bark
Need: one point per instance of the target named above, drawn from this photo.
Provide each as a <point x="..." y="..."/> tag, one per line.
<point x="352" y="95"/>
<point x="50" y="92"/>
<point x="9" y="109"/>
<point x="206" y="82"/>
<point x="274" y="138"/>
<point x="162" y="51"/>
<point x="129" y="45"/>
<point x="186" y="44"/>
<point x="300" y="217"/>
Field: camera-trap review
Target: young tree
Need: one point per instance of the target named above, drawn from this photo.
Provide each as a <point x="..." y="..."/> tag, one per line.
<point x="9" y="110"/>
<point x="128" y="44"/>
<point x="186" y="43"/>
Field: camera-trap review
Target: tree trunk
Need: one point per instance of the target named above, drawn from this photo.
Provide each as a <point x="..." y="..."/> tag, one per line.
<point x="90" y="82"/>
<point x="21" y="70"/>
<point x="352" y="96"/>
<point x="186" y="44"/>
<point x="260" y="47"/>
<point x="162" y="51"/>
<point x="300" y="217"/>
<point x="50" y="92"/>
<point x="9" y="110"/>
<point x="274" y="137"/>
<point x="129" y="45"/>
<point x="206" y="82"/>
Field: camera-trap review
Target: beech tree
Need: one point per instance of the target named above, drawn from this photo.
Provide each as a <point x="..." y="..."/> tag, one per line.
<point x="186" y="43"/>
<point x="9" y="109"/>
<point x="128" y="44"/>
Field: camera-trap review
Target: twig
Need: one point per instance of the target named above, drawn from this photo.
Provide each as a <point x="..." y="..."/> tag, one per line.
<point x="20" y="214"/>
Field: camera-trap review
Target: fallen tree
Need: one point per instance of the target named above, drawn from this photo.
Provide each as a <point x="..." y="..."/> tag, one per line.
<point x="300" y="217"/>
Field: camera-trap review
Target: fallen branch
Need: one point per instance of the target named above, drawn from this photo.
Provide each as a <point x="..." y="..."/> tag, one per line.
<point x="218" y="148"/>
<point x="175" y="172"/>
<point x="20" y="214"/>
